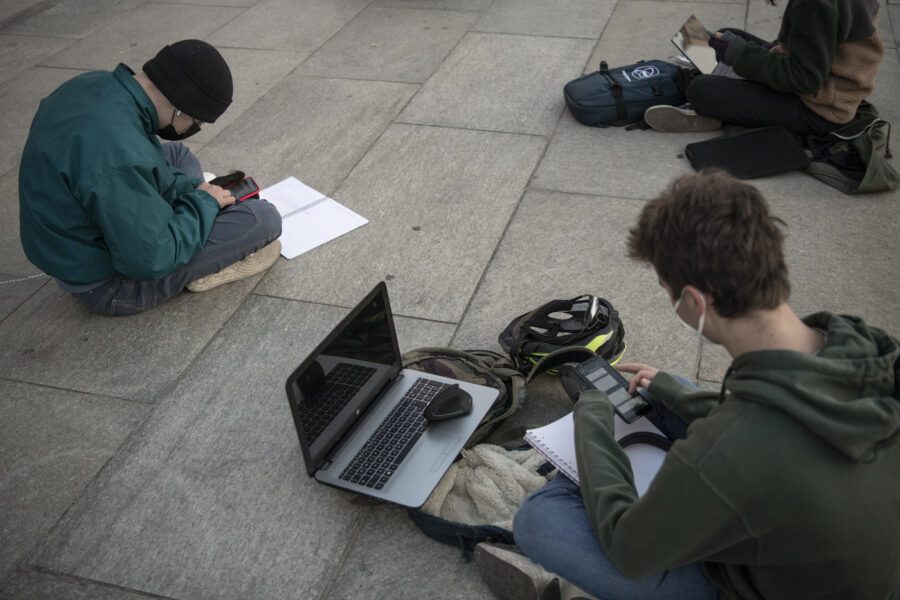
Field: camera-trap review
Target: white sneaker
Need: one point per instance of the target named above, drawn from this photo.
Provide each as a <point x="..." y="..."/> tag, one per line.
<point x="207" y="176"/>
<point x="671" y="119"/>
<point x="255" y="263"/>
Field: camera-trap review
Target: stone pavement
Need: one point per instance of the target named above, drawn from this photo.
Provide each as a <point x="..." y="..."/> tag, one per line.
<point x="154" y="455"/>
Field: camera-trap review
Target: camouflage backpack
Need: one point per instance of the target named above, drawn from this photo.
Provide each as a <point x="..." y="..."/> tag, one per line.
<point x="496" y="370"/>
<point x="493" y="369"/>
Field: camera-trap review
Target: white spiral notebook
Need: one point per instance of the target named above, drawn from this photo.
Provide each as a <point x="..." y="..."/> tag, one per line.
<point x="308" y="218"/>
<point x="556" y="442"/>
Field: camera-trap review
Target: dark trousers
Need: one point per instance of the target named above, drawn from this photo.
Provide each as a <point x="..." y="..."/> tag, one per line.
<point x="742" y="102"/>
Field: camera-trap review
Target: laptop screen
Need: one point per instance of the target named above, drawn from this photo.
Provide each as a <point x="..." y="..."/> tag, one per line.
<point x="332" y="388"/>
<point x="692" y="40"/>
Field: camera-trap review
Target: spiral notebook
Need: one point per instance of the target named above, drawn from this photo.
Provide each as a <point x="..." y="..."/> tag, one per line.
<point x="308" y="218"/>
<point x="556" y="442"/>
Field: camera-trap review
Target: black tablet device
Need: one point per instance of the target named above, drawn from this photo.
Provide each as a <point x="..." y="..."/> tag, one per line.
<point x="600" y="375"/>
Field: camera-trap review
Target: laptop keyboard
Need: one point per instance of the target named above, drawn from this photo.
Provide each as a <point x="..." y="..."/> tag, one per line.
<point x="343" y="382"/>
<point x="379" y="458"/>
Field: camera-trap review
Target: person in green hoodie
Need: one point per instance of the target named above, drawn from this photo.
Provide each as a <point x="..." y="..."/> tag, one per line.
<point x="810" y="80"/>
<point x="783" y="484"/>
<point x="120" y="220"/>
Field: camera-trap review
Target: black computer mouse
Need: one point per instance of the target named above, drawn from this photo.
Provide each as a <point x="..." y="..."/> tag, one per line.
<point x="450" y="402"/>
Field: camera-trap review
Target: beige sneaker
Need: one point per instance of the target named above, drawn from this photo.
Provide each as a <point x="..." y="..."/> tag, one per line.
<point x="255" y="263"/>
<point x="671" y="119"/>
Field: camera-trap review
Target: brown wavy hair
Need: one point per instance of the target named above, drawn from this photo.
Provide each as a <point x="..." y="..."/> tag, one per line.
<point x="716" y="233"/>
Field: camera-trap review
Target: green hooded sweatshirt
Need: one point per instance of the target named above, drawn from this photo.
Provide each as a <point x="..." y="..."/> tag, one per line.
<point x="789" y="488"/>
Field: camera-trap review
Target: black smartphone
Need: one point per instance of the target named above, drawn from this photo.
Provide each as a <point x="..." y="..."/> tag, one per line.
<point x="243" y="189"/>
<point x="600" y="375"/>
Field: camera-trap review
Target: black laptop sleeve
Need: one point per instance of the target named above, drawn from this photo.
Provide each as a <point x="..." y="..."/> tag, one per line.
<point x="751" y="153"/>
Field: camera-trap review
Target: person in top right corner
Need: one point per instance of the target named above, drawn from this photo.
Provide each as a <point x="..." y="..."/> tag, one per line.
<point x="810" y="81"/>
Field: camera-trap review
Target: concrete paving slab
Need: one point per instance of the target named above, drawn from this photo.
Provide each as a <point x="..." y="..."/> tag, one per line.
<point x="612" y="161"/>
<point x="53" y="340"/>
<point x="34" y="585"/>
<point x="68" y="18"/>
<point x="240" y="3"/>
<point x="298" y="25"/>
<point x="314" y="129"/>
<point x="10" y="9"/>
<point x="500" y="83"/>
<point x="657" y="22"/>
<point x="475" y="5"/>
<point x="434" y="221"/>
<point x="887" y="89"/>
<point x="390" y="556"/>
<point x="580" y="250"/>
<point x="391" y="44"/>
<point x="215" y="478"/>
<point x="15" y="290"/>
<point x="254" y="73"/>
<point x="14" y="259"/>
<point x="889" y="25"/>
<point x="21" y="52"/>
<point x="20" y="98"/>
<point x="128" y="39"/>
<point x="571" y="18"/>
<point x="53" y="442"/>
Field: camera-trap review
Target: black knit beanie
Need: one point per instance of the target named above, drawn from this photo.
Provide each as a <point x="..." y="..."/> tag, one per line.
<point x="194" y="77"/>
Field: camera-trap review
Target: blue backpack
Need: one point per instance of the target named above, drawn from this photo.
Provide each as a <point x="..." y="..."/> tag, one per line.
<point x="620" y="96"/>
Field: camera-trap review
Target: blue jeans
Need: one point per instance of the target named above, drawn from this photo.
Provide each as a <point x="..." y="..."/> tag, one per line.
<point x="237" y="232"/>
<point x="553" y="529"/>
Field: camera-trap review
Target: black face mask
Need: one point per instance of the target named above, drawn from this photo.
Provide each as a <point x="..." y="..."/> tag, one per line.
<point x="168" y="132"/>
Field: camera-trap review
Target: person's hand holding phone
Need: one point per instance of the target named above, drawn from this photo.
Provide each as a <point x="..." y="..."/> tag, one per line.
<point x="642" y="375"/>
<point x="222" y="196"/>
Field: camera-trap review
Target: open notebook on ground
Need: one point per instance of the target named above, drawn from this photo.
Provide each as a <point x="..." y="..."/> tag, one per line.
<point x="691" y="40"/>
<point x="360" y="419"/>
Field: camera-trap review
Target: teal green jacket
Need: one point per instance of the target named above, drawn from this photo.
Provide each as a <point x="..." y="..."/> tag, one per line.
<point x="788" y="489"/>
<point x="96" y="195"/>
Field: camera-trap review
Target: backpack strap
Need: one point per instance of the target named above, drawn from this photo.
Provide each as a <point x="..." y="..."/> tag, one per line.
<point x="616" y="91"/>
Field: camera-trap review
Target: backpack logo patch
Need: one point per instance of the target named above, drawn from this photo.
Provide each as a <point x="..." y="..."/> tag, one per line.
<point x="645" y="72"/>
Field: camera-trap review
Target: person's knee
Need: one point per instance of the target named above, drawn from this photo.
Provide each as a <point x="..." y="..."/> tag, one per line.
<point x="529" y="523"/>
<point x="274" y="218"/>
<point x="269" y="217"/>
<point x="699" y="93"/>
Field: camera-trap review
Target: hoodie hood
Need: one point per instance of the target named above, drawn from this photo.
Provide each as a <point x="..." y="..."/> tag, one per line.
<point x="847" y="394"/>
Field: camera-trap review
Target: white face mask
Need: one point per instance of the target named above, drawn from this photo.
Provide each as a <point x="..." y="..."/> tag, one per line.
<point x="699" y="330"/>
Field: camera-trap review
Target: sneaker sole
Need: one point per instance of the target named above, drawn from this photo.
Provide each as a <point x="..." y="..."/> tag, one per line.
<point x="254" y="263"/>
<point x="671" y="119"/>
<point x="503" y="578"/>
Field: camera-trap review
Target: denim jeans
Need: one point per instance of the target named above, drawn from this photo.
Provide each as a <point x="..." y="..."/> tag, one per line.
<point x="237" y="232"/>
<point x="552" y="527"/>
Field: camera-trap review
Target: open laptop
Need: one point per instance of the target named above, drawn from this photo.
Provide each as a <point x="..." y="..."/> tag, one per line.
<point x="351" y="403"/>
<point x="691" y="40"/>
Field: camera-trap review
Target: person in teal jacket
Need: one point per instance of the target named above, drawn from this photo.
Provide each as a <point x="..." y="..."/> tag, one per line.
<point x="121" y="220"/>
<point x="784" y="484"/>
